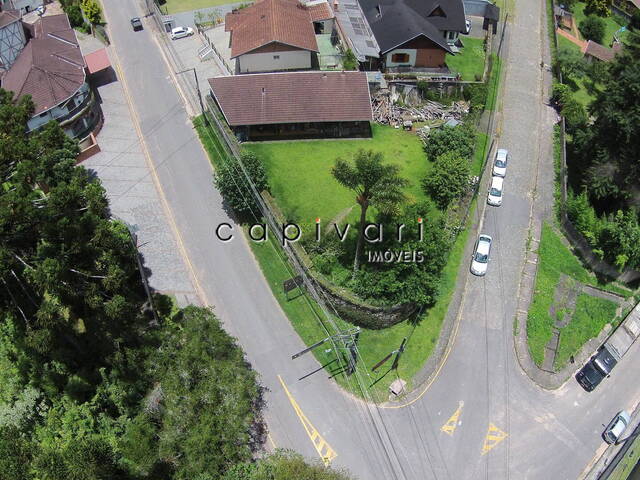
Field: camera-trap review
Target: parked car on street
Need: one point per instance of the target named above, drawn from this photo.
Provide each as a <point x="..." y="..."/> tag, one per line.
<point x="495" y="192"/>
<point x="40" y="10"/>
<point x="480" y="258"/>
<point x="616" y="427"/>
<point x="589" y="376"/>
<point x="181" y="32"/>
<point x="500" y="163"/>
<point x="136" y="23"/>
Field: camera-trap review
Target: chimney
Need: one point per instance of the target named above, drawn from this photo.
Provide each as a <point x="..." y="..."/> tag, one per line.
<point x="335" y="5"/>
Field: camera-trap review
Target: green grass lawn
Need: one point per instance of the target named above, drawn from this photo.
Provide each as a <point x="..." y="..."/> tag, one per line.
<point x="493" y="83"/>
<point x="300" y="172"/>
<point x="470" y="61"/>
<point x="554" y="258"/>
<point x="176" y="6"/>
<point x="588" y="320"/>
<point x="631" y="459"/>
<point x="611" y="26"/>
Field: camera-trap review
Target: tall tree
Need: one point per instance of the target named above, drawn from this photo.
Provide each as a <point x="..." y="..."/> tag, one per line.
<point x="68" y="275"/>
<point x="375" y="183"/>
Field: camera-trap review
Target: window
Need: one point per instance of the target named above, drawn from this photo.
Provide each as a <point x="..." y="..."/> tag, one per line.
<point x="400" y="58"/>
<point x="276" y="57"/>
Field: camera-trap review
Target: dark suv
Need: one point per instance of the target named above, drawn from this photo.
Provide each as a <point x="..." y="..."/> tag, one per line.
<point x="136" y="24"/>
<point x="596" y="369"/>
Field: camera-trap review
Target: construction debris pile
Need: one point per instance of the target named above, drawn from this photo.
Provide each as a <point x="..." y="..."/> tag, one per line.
<point x="388" y="113"/>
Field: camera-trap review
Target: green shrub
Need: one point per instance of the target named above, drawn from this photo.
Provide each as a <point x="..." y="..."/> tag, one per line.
<point x="231" y="182"/>
<point x="476" y="93"/>
<point x="592" y="28"/>
<point x="349" y="60"/>
<point x="461" y="140"/>
<point x="75" y="16"/>
<point x="448" y="180"/>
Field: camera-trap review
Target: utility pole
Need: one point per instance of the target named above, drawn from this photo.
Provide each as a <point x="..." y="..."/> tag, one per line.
<point x="195" y="74"/>
<point x="398" y="353"/>
<point x="349" y="338"/>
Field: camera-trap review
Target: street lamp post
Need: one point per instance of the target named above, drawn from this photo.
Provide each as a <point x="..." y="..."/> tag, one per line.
<point x="195" y="74"/>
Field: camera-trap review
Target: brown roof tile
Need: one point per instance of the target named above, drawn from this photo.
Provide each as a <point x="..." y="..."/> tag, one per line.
<point x="259" y="99"/>
<point x="50" y="68"/>
<point x="268" y="21"/>
<point x="599" y="51"/>
<point x="320" y="11"/>
<point x="8" y="16"/>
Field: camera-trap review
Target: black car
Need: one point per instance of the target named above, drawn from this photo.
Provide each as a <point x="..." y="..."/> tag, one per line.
<point x="136" y="23"/>
<point x="589" y="377"/>
<point x="604" y="361"/>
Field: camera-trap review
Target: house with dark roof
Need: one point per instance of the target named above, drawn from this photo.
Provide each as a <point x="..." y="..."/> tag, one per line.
<point x="415" y="33"/>
<point x="625" y="8"/>
<point x="293" y="105"/>
<point x="277" y="35"/>
<point x="50" y="69"/>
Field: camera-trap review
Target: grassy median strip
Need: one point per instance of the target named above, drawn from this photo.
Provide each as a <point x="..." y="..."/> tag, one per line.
<point x="555" y="259"/>
<point x="588" y="320"/>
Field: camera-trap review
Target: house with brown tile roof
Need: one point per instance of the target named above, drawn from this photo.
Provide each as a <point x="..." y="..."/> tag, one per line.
<point x="594" y="50"/>
<point x="51" y="70"/>
<point x="291" y="105"/>
<point x="276" y="35"/>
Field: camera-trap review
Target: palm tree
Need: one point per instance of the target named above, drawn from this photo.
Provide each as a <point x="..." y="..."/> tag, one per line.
<point x="375" y="184"/>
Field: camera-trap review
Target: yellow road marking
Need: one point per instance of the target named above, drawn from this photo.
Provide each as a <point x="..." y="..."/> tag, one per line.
<point x="273" y="444"/>
<point x="452" y="423"/>
<point x="327" y="454"/>
<point x="494" y="437"/>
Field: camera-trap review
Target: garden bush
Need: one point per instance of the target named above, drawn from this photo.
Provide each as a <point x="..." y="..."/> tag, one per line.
<point x="592" y="28"/>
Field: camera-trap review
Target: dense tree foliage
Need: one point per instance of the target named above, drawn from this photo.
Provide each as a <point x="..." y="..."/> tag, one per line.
<point x="597" y="7"/>
<point x="285" y="465"/>
<point x="230" y="180"/>
<point x="448" y="180"/>
<point x="461" y="139"/>
<point x="592" y="28"/>
<point x="201" y="415"/>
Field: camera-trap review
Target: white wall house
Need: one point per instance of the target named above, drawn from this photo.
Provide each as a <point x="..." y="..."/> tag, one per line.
<point x="274" y="61"/>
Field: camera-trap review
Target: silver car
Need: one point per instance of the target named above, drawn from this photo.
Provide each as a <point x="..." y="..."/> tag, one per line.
<point x="480" y="258"/>
<point x="616" y="427"/>
<point x="495" y="191"/>
<point x="500" y="163"/>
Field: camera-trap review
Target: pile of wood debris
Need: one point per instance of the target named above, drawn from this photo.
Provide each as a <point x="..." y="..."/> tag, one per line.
<point x="388" y="113"/>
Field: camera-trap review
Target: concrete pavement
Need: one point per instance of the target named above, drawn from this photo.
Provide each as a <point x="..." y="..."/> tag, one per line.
<point x="506" y="426"/>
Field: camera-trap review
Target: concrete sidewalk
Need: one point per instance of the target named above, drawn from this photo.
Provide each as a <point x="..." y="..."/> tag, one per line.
<point x="125" y="175"/>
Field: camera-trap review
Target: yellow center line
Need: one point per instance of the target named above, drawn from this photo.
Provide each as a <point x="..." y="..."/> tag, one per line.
<point x="326" y="453"/>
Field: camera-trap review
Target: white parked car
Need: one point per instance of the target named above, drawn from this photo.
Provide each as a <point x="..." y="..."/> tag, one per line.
<point x="467" y="27"/>
<point x="480" y="258"/>
<point x="40" y="10"/>
<point x="181" y="32"/>
<point x="495" y="192"/>
<point x="616" y="427"/>
<point x="500" y="163"/>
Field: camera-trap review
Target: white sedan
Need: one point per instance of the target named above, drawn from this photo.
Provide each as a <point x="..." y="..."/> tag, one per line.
<point x="500" y="163"/>
<point x="495" y="191"/>
<point x="181" y="32"/>
<point x="480" y="257"/>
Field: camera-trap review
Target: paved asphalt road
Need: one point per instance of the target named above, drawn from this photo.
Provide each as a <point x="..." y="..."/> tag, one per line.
<point x="549" y="434"/>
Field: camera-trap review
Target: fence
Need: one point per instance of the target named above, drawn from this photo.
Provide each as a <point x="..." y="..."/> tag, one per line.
<point x="206" y="41"/>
